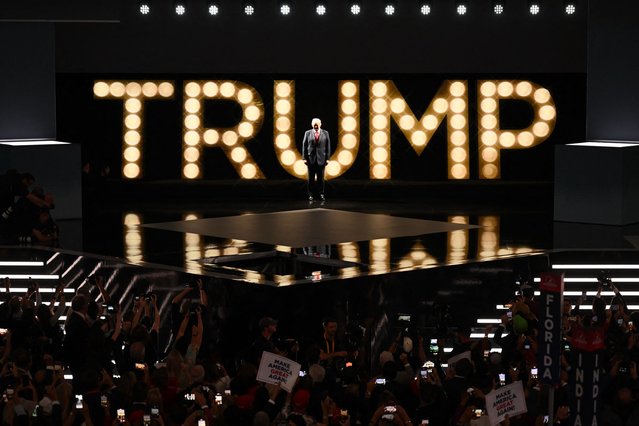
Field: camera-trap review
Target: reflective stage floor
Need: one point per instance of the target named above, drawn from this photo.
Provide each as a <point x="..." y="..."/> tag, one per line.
<point x="445" y="260"/>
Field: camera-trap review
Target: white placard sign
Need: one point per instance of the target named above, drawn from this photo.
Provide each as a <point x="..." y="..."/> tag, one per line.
<point x="508" y="400"/>
<point x="278" y="369"/>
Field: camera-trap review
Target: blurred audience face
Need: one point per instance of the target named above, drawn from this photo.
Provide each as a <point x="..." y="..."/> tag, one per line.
<point x="330" y="329"/>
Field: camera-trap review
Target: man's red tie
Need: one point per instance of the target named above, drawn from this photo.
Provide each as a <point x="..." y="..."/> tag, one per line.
<point x="316" y="137"/>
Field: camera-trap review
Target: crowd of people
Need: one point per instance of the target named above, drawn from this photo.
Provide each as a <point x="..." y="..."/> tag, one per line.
<point x="25" y="211"/>
<point x="107" y="365"/>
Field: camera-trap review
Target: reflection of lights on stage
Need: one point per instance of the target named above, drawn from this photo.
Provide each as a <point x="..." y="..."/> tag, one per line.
<point x="230" y="251"/>
<point x="490" y="133"/>
<point x="284" y="280"/>
<point x="379" y="252"/>
<point x="488" y="236"/>
<point x="253" y="277"/>
<point x="348" y="252"/>
<point x="212" y="252"/>
<point x="131" y="219"/>
<point x="193" y="249"/>
<point x="133" y="241"/>
<point x="417" y="258"/>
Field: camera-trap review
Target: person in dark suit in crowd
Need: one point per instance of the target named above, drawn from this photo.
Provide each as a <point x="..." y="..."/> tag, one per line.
<point x="77" y="330"/>
<point x="316" y="150"/>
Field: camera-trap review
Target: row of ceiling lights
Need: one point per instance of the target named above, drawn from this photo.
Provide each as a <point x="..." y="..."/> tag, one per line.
<point x="425" y="7"/>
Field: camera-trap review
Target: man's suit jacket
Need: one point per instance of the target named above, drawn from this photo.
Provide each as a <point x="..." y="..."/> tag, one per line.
<point x="316" y="152"/>
<point x="76" y="340"/>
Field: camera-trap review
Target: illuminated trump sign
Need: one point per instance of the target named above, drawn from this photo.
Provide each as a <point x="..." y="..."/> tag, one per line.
<point x="385" y="106"/>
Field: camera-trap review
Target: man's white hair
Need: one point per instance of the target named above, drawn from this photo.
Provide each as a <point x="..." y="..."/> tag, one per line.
<point x="316" y="120"/>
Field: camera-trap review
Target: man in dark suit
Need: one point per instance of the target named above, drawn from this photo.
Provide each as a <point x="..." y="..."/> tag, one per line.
<point x="77" y="334"/>
<point x="316" y="150"/>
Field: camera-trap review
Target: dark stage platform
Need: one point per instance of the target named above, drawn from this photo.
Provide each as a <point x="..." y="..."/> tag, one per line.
<point x="309" y="227"/>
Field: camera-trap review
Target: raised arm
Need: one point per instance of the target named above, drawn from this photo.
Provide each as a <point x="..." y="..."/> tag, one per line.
<point x="204" y="298"/>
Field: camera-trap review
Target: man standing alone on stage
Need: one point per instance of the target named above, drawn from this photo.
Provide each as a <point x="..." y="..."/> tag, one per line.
<point x="316" y="150"/>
